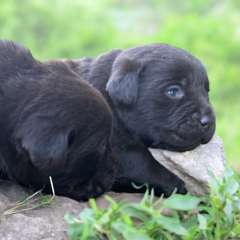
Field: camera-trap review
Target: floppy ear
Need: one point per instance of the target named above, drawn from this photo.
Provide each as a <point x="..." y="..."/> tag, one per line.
<point x="45" y="142"/>
<point x="123" y="83"/>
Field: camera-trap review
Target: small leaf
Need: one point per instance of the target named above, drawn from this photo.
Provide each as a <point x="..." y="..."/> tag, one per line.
<point x="228" y="173"/>
<point x="202" y="222"/>
<point x="190" y="224"/>
<point x="128" y="232"/>
<point x="105" y="218"/>
<point x="238" y="203"/>
<point x="172" y="224"/>
<point x="228" y="210"/>
<point x="139" y="186"/>
<point x="232" y="186"/>
<point x="87" y="215"/>
<point x="182" y="202"/>
<point x="135" y="212"/>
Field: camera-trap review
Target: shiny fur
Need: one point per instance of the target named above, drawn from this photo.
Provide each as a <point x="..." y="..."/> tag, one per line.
<point x="52" y="124"/>
<point x="135" y="83"/>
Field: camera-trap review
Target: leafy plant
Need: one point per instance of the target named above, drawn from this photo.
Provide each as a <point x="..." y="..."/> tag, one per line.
<point x="186" y="217"/>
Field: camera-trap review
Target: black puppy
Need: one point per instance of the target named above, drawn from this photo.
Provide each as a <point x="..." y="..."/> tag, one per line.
<point x="52" y="124"/>
<point x="159" y="95"/>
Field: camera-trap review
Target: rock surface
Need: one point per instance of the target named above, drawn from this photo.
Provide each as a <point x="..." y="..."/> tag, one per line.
<point x="193" y="167"/>
<point x="47" y="223"/>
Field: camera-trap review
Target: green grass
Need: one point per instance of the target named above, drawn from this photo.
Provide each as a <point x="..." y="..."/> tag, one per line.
<point x="35" y="201"/>
<point x="183" y="217"/>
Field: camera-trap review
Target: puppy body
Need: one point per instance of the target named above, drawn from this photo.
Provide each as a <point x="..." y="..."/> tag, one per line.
<point x="52" y="124"/>
<point x="159" y="96"/>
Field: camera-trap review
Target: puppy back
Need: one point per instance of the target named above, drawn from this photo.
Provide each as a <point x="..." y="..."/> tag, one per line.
<point x="14" y="57"/>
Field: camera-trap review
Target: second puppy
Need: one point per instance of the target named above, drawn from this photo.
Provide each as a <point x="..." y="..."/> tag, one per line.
<point x="52" y="124"/>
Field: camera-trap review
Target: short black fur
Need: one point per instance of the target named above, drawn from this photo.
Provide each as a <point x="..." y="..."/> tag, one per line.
<point x="140" y="86"/>
<point x="49" y="127"/>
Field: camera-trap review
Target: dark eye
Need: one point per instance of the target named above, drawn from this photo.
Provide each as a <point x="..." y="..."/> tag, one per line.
<point x="174" y="92"/>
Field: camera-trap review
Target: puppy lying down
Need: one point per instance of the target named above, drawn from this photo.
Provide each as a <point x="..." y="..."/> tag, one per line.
<point x="52" y="124"/>
<point x="55" y="124"/>
<point x="159" y="97"/>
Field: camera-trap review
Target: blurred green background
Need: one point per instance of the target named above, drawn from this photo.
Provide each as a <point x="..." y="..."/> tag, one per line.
<point x="210" y="29"/>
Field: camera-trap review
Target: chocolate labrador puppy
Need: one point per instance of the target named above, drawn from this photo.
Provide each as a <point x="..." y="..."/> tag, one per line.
<point x="159" y="96"/>
<point x="52" y="124"/>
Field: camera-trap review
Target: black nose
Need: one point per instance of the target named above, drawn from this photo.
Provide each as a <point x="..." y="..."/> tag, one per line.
<point x="205" y="120"/>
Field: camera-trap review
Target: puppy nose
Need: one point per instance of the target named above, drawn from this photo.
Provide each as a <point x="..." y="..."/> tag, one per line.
<point x="205" y="120"/>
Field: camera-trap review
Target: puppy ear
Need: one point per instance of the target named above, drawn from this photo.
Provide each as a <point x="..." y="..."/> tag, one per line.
<point x="46" y="143"/>
<point x="123" y="83"/>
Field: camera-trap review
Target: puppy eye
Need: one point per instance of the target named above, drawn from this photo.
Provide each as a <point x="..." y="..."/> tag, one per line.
<point x="174" y="92"/>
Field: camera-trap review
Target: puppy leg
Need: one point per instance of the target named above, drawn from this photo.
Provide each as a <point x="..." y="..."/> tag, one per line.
<point x="100" y="182"/>
<point x="138" y="166"/>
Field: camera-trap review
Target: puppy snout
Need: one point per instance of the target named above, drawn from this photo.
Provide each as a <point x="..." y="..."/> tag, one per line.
<point x="205" y="121"/>
<point x="208" y="126"/>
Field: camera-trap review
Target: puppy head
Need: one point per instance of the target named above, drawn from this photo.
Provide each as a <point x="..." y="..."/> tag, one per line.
<point x="161" y="94"/>
<point x="58" y="130"/>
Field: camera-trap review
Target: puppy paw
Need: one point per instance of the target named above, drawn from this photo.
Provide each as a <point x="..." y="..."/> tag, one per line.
<point x="168" y="189"/>
<point x="85" y="192"/>
<point x="181" y="187"/>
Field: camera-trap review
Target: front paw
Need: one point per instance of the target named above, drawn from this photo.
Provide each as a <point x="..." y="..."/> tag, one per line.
<point x="168" y="188"/>
<point x="178" y="187"/>
<point x="181" y="187"/>
<point x="85" y="192"/>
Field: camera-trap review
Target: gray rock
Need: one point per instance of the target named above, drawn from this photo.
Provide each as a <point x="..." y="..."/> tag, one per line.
<point x="193" y="167"/>
<point x="45" y="223"/>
